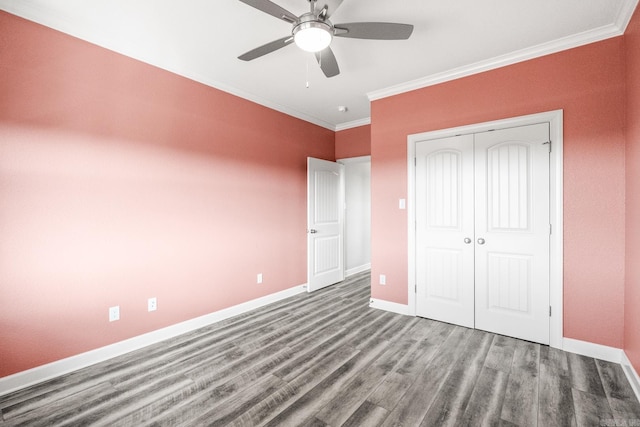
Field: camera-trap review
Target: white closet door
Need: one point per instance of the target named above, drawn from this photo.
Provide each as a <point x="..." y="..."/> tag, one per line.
<point x="444" y="219"/>
<point x="512" y="232"/>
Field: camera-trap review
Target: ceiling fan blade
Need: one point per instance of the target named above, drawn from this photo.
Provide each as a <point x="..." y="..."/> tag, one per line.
<point x="272" y="9"/>
<point x="374" y="30"/>
<point x="328" y="62"/>
<point x="328" y="8"/>
<point x="266" y="48"/>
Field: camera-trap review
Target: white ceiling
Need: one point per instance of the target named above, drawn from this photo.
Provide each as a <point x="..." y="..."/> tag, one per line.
<point x="201" y="39"/>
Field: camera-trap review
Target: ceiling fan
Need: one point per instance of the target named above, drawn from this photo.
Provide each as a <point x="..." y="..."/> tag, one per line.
<point x="313" y="32"/>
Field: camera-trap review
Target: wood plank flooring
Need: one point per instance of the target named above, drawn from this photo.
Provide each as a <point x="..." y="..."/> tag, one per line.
<point x="327" y="359"/>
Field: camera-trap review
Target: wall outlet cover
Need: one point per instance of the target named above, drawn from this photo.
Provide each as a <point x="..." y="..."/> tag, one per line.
<point x="114" y="313"/>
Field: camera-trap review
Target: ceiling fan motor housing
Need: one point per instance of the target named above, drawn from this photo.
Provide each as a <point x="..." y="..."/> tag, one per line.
<point x="312" y="34"/>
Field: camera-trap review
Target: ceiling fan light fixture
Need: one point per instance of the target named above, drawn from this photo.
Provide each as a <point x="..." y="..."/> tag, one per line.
<point x="312" y="36"/>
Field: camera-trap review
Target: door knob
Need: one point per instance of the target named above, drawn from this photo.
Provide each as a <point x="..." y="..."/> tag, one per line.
<point x="481" y="241"/>
<point x="312" y="231"/>
<point x="467" y="240"/>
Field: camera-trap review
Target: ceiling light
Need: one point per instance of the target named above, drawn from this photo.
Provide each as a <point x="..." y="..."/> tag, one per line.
<point x="312" y="36"/>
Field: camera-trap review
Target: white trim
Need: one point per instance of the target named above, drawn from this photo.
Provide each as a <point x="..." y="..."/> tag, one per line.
<point x="359" y="159"/>
<point x="411" y="225"/>
<point x="393" y="307"/>
<point x="353" y="124"/>
<point x="610" y="354"/>
<point x="554" y="46"/>
<point x="589" y="349"/>
<point x="250" y="97"/>
<point x="60" y="367"/>
<point x="632" y="374"/>
<point x="556" y="241"/>
<point x="625" y="14"/>
<point x="555" y="119"/>
<point x="356" y="270"/>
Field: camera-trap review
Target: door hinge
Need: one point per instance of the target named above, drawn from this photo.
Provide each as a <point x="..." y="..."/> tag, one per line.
<point x="549" y="311"/>
<point x="415" y="161"/>
<point x="415" y="288"/>
<point x="550" y="145"/>
<point x="550" y="229"/>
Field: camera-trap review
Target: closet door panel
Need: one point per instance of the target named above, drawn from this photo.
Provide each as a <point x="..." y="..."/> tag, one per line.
<point x="444" y="219"/>
<point x="512" y="232"/>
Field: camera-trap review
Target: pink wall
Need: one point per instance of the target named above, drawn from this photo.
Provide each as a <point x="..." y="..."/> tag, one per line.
<point x="589" y="84"/>
<point x="632" y="288"/>
<point x="354" y="142"/>
<point x="120" y="181"/>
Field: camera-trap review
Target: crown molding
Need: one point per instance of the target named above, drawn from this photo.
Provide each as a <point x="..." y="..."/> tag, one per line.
<point x="253" y="98"/>
<point x="627" y="7"/>
<point x="558" y="45"/>
<point x="353" y="124"/>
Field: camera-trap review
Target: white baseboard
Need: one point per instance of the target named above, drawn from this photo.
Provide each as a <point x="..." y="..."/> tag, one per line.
<point x="589" y="349"/>
<point x="60" y="367"/>
<point x="631" y="374"/>
<point x="610" y="354"/>
<point x="393" y="307"/>
<point x="356" y="270"/>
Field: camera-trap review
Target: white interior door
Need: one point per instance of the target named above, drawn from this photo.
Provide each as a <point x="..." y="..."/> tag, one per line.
<point x="512" y="232"/>
<point x="444" y="228"/>
<point x="325" y="223"/>
<point x="482" y="231"/>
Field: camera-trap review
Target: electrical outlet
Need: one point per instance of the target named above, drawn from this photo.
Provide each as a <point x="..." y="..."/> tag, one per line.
<point x="259" y="278"/>
<point x="152" y="304"/>
<point x="114" y="313"/>
<point x="383" y="279"/>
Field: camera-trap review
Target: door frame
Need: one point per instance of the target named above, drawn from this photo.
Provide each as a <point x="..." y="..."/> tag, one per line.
<point x="555" y="120"/>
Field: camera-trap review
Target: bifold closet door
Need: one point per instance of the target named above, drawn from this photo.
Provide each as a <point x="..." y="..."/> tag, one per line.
<point x="512" y="232"/>
<point x="482" y="231"/>
<point x="444" y="230"/>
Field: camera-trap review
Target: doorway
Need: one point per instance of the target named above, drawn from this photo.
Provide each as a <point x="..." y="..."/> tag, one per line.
<point x="339" y="220"/>
<point x="473" y="261"/>
<point x="357" y="239"/>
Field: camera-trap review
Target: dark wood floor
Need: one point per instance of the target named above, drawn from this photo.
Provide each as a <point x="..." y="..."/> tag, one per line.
<point x="326" y="359"/>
